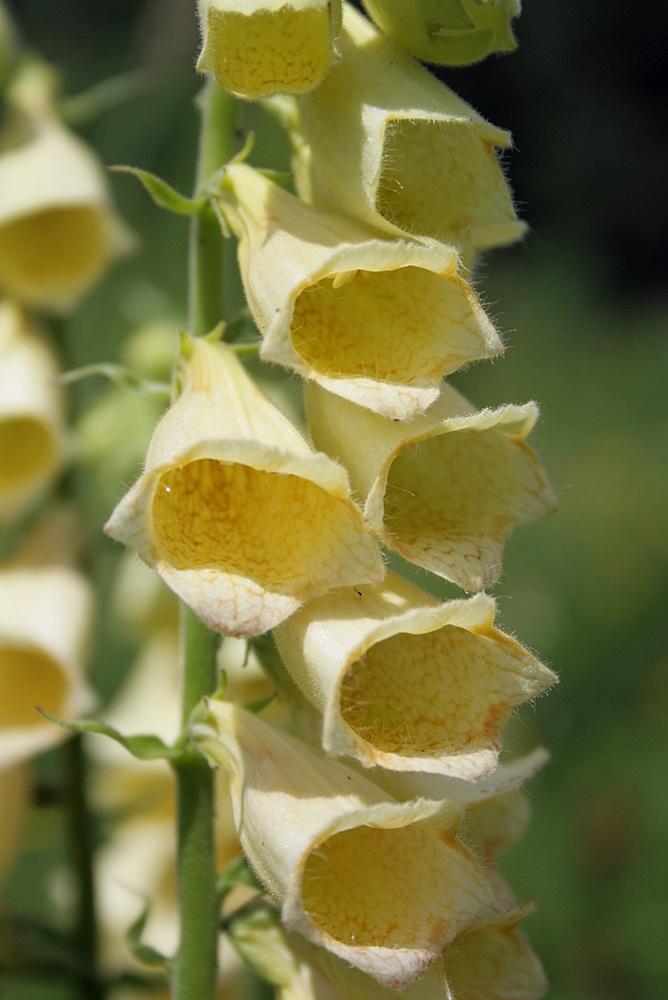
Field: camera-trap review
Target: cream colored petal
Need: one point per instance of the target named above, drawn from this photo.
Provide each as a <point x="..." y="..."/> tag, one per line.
<point x="495" y="962"/>
<point x="374" y="320"/>
<point x="380" y="884"/>
<point x="243" y="527"/>
<point x="504" y="778"/>
<point x="401" y="151"/>
<point x="32" y="432"/>
<point x="44" y="621"/>
<point x="263" y="47"/>
<point x="405" y="682"/>
<point x="444" y="491"/>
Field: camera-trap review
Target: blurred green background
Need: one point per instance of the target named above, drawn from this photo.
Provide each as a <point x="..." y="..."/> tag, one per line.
<point x="584" y="309"/>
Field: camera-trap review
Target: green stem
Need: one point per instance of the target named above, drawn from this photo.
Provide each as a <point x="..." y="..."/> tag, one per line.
<point x="207" y="246"/>
<point x="194" y="970"/>
<point x="88" y="984"/>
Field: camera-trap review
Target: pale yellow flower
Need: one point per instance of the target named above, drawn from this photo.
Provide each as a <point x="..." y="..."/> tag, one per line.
<point x="489" y="961"/>
<point x="32" y="431"/>
<point x="383" y="885"/>
<point x="445" y="490"/>
<point x="58" y="230"/>
<point x="240" y="517"/>
<point x="447" y="32"/>
<point x="400" y="151"/>
<point x="406" y="682"/>
<point x="256" y="48"/>
<point x="374" y="320"/>
<point x="44" y="622"/>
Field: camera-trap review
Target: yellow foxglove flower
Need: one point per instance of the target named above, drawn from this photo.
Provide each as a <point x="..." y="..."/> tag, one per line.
<point x="240" y="517"/>
<point x="406" y="682"/>
<point x="401" y="152"/>
<point x="445" y="490"/>
<point x="58" y="230"/>
<point x="256" y="48"/>
<point x="383" y="885"/>
<point x="32" y="430"/>
<point x="376" y="321"/>
<point x="44" y="620"/>
<point x="447" y="32"/>
<point x="489" y="961"/>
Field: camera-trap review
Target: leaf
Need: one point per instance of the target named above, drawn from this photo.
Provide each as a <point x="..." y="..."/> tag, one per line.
<point x="119" y="376"/>
<point x="142" y="746"/>
<point x="144" y="952"/>
<point x="162" y="193"/>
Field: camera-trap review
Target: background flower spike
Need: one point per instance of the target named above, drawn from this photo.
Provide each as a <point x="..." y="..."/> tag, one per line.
<point x="240" y="517"/>
<point x="406" y="682"/>
<point x="257" y="48"/>
<point x="445" y="490"/>
<point x="400" y="151"/>
<point x="373" y="320"/>
<point x="58" y="229"/>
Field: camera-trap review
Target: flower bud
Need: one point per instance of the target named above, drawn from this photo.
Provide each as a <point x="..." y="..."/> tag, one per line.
<point x="447" y="32"/>
<point x="376" y="321"/>
<point x="385" y="886"/>
<point x="32" y="431"/>
<point x="234" y="509"/>
<point x="263" y="47"/>
<point x="445" y="490"/>
<point x="58" y="231"/>
<point x="44" y="620"/>
<point x="405" y="682"/>
<point x="401" y="152"/>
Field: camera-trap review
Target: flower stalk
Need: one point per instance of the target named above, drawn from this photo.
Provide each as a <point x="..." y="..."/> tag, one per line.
<point x="195" y="968"/>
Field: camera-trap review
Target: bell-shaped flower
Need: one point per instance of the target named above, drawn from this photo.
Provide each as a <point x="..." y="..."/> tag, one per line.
<point x="58" y="230"/>
<point x="374" y="320"/>
<point x="406" y="682"/>
<point x="257" y="48"/>
<point x="447" y="32"/>
<point x="490" y="960"/>
<point x="401" y="152"/>
<point x="445" y="490"/>
<point x="44" y="620"/>
<point x="32" y="430"/>
<point x="383" y="885"/>
<point x="236" y="512"/>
